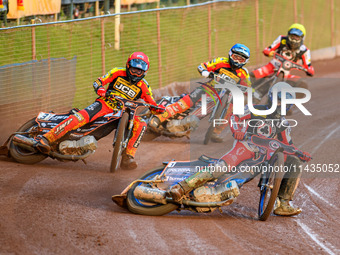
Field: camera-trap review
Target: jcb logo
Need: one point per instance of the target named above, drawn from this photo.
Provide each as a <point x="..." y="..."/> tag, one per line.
<point x="126" y="90"/>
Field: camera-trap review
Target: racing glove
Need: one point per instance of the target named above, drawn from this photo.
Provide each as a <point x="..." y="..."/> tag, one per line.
<point x="207" y="74"/>
<point x="268" y="52"/>
<point x="310" y="71"/>
<point x="239" y="135"/>
<point x="101" y="91"/>
<point x="157" y="110"/>
<point x="305" y="156"/>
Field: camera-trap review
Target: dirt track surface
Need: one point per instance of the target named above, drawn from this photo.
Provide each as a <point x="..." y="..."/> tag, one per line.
<point x="66" y="208"/>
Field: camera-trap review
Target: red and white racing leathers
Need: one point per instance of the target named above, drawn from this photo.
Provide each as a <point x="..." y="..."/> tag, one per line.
<point x="263" y="126"/>
<point x="281" y="47"/>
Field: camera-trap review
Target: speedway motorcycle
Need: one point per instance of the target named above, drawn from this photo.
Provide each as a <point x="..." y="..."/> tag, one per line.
<point x="148" y="196"/>
<point x="283" y="67"/>
<point x="77" y="144"/>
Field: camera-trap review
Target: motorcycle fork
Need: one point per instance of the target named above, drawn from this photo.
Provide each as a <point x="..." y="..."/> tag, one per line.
<point x="264" y="177"/>
<point x="130" y="127"/>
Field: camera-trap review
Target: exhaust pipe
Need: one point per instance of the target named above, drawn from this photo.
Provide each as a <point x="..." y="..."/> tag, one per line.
<point x="24" y="142"/>
<point x="150" y="194"/>
<point x="27" y="144"/>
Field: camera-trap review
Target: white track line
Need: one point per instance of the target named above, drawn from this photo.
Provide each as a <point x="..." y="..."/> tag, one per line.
<point x="319" y="196"/>
<point x="325" y="139"/>
<point x="316" y="238"/>
<point x="312" y="138"/>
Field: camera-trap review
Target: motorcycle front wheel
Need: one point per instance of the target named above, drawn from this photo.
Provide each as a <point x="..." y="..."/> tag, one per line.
<point x="139" y="206"/>
<point x="25" y="156"/>
<point x="118" y="147"/>
<point x="270" y="191"/>
<point x="217" y="115"/>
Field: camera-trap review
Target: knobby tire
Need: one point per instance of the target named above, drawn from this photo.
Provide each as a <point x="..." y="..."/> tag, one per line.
<point x="24" y="156"/>
<point x="278" y="159"/>
<point x="148" y="208"/>
<point x="120" y="135"/>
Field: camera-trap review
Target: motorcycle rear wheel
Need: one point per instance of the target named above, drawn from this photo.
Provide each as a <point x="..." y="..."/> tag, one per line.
<point x="24" y="156"/>
<point x="144" y="207"/>
<point x="269" y="193"/>
<point x="120" y="136"/>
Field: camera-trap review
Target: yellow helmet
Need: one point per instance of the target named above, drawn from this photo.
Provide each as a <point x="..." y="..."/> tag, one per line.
<point x="297" y="26"/>
<point x="296" y="34"/>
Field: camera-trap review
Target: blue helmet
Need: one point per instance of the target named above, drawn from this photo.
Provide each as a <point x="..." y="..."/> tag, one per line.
<point x="239" y="55"/>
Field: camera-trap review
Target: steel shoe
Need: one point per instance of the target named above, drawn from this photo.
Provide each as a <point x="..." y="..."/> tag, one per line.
<point x="216" y="138"/>
<point x="285" y="209"/>
<point x="128" y="162"/>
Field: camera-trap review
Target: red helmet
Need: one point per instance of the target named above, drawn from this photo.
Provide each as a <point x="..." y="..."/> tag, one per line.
<point x="137" y="66"/>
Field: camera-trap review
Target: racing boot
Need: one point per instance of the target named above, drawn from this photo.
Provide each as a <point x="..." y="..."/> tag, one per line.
<point x="288" y="187"/>
<point x="42" y="144"/>
<point x="184" y="187"/>
<point x="285" y="209"/>
<point x="128" y="161"/>
<point x="216" y="138"/>
<point x="171" y="110"/>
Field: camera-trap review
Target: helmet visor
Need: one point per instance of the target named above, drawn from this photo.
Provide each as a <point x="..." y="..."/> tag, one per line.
<point x="295" y="31"/>
<point x="238" y="58"/>
<point x="140" y="64"/>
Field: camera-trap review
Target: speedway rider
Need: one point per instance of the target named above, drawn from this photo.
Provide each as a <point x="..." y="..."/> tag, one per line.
<point x="124" y="82"/>
<point x="269" y="126"/>
<point x="292" y="48"/>
<point x="232" y="66"/>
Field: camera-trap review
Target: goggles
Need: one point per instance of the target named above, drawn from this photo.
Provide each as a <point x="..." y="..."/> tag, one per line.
<point x="294" y="38"/>
<point x="238" y="58"/>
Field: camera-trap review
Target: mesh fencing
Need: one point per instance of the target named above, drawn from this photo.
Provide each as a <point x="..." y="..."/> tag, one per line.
<point x="176" y="40"/>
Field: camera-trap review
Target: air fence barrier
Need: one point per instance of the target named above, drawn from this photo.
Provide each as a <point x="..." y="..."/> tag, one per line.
<point x="176" y="39"/>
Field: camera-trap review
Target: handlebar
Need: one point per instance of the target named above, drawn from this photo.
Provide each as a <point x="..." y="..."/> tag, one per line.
<point x="288" y="64"/>
<point x="300" y="154"/>
<point x="218" y="78"/>
<point x="289" y="149"/>
<point x="126" y="101"/>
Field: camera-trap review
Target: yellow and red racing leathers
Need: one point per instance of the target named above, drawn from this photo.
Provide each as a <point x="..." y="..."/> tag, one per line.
<point x="221" y="65"/>
<point x="218" y="65"/>
<point x="119" y="85"/>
